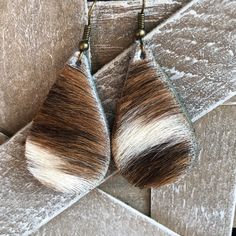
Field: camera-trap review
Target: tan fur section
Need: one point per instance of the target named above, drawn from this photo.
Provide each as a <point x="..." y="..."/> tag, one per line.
<point x="71" y="127"/>
<point x="152" y="141"/>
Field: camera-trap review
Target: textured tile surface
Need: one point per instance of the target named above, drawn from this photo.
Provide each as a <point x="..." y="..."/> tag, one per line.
<point x="100" y="214"/>
<point x="25" y="203"/>
<point x="203" y="202"/>
<point x="137" y="198"/>
<point x="116" y="24"/>
<point x="36" y="38"/>
<point x="29" y="205"/>
<point x="234" y="223"/>
<point x="230" y="102"/>
<point x="196" y="48"/>
<point x="3" y="138"/>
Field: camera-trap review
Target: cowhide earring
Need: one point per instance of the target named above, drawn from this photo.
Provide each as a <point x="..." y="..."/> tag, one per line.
<point x="153" y="142"/>
<point x="68" y="145"/>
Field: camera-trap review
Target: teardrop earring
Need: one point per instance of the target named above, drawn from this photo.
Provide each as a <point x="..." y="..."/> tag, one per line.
<point x="68" y="146"/>
<point x="153" y="142"/>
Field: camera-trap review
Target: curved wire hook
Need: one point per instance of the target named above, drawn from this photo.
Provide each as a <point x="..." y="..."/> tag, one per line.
<point x="143" y="6"/>
<point x="91" y="12"/>
<point x="142" y="22"/>
<point x="86" y="36"/>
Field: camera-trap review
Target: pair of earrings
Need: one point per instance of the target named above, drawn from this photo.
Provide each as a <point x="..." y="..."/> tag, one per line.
<point x="153" y="143"/>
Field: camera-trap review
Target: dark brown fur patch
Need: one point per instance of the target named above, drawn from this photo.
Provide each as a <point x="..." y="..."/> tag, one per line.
<point x="70" y="125"/>
<point x="160" y="165"/>
<point x="148" y="98"/>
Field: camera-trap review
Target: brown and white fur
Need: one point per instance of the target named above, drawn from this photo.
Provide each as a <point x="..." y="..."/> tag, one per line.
<point x="68" y="146"/>
<point x="153" y="142"/>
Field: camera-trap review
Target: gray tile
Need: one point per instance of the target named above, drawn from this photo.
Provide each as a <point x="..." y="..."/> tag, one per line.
<point x="24" y="202"/>
<point x="116" y="25"/>
<point x="196" y="52"/>
<point x="3" y="138"/>
<point x="202" y="203"/>
<point x="137" y="198"/>
<point x="28" y="204"/>
<point x="37" y="37"/>
<point x="100" y="214"/>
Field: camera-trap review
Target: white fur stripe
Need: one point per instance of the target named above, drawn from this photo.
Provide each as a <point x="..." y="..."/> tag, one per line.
<point x="137" y="136"/>
<point x="46" y="168"/>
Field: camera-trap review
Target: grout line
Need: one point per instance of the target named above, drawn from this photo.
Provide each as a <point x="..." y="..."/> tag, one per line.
<point x="229" y="104"/>
<point x="3" y="138"/>
<point x="234" y="211"/>
<point x="136" y="212"/>
<point x="61" y="210"/>
<point x="212" y="107"/>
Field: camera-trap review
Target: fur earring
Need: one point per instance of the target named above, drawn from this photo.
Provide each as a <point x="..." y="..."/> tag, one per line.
<point x="68" y="146"/>
<point x="153" y="142"/>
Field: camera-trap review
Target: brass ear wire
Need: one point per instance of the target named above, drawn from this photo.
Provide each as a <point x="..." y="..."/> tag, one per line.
<point x="143" y="6"/>
<point x="91" y="12"/>
<point x="141" y="28"/>
<point x="84" y="43"/>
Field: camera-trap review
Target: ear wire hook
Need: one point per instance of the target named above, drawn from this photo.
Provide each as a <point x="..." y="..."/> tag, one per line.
<point x="91" y="12"/>
<point x="84" y="43"/>
<point x="141" y="28"/>
<point x="143" y="6"/>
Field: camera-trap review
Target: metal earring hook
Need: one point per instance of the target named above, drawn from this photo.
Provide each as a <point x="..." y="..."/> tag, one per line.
<point x="91" y="12"/>
<point x="84" y="43"/>
<point x="141" y="29"/>
<point x="143" y="6"/>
